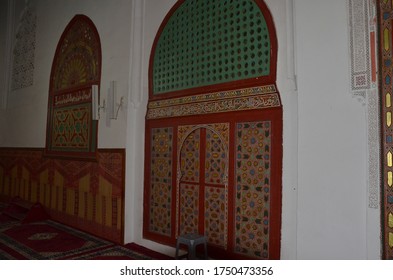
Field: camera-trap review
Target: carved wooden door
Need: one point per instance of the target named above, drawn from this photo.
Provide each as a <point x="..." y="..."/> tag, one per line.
<point x="202" y="187"/>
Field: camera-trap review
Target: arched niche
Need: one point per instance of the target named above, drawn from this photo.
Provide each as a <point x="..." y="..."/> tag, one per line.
<point x="76" y="67"/>
<point x="212" y="72"/>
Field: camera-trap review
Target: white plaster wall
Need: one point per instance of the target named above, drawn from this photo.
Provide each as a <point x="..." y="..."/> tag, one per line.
<point x="27" y="108"/>
<point x="332" y="157"/>
<point x="154" y="12"/>
<point x="281" y="11"/>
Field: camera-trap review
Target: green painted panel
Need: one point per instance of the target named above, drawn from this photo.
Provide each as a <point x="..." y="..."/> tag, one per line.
<point x="207" y="42"/>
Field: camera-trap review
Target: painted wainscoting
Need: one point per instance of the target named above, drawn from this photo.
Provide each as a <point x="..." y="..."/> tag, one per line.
<point x="88" y="195"/>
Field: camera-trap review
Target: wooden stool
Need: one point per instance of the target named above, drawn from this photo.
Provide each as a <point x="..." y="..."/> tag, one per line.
<point x="191" y="240"/>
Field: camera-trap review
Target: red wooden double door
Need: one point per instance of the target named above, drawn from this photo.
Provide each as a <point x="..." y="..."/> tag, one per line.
<point x="218" y="175"/>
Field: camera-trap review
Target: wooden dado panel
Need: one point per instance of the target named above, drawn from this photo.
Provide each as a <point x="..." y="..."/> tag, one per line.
<point x="84" y="194"/>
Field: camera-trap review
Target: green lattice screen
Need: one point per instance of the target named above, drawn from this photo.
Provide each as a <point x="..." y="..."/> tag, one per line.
<point x="207" y="42"/>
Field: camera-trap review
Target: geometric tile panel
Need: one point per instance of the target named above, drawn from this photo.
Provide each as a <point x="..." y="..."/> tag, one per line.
<point x="70" y="128"/>
<point x="252" y="200"/>
<point x="190" y="159"/>
<point x="216" y="216"/>
<point x="189" y="208"/>
<point x="216" y="159"/>
<point x="161" y="181"/>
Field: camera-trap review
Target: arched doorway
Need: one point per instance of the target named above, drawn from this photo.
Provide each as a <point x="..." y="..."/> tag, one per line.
<point x="202" y="182"/>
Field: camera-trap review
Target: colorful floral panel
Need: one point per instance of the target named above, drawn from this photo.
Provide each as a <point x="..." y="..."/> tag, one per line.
<point x="216" y="159"/>
<point x="189" y="208"/>
<point x="161" y="181"/>
<point x="71" y="128"/>
<point x="190" y="160"/>
<point x="252" y="204"/>
<point x="216" y="218"/>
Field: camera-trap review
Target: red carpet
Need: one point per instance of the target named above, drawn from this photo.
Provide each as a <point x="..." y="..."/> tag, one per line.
<point x="45" y="239"/>
<point x="130" y="251"/>
<point x="51" y="240"/>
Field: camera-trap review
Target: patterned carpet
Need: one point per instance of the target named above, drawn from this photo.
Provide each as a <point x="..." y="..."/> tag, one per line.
<point x="49" y="240"/>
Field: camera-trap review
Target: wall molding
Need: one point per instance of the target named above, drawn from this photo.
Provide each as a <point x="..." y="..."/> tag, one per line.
<point x="5" y="85"/>
<point x="136" y="55"/>
<point x="362" y="32"/>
